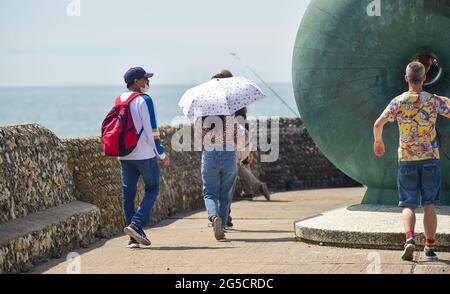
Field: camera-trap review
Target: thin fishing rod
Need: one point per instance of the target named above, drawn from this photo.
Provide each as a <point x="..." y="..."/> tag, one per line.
<point x="273" y="91"/>
<point x="267" y="85"/>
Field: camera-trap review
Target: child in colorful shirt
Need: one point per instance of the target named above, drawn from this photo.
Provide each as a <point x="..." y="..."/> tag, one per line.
<point x="416" y="114"/>
<point x="419" y="176"/>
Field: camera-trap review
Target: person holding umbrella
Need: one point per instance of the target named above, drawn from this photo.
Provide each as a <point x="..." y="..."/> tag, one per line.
<point x="213" y="104"/>
<point x="251" y="185"/>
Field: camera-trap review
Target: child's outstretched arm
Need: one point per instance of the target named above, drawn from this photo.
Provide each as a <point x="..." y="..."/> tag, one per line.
<point x="388" y="115"/>
<point x="378" y="147"/>
<point x="444" y="108"/>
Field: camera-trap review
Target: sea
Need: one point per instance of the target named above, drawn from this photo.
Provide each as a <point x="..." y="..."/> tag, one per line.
<point x="79" y="111"/>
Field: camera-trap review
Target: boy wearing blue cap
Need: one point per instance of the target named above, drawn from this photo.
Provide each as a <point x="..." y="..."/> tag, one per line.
<point x="142" y="160"/>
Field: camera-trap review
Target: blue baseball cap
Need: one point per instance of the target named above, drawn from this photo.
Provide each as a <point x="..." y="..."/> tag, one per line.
<point x="136" y="73"/>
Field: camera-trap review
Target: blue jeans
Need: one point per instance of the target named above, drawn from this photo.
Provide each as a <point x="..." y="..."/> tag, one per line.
<point x="419" y="180"/>
<point x="130" y="172"/>
<point x="219" y="173"/>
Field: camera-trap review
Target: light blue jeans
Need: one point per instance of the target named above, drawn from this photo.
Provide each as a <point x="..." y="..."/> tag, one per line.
<point x="219" y="173"/>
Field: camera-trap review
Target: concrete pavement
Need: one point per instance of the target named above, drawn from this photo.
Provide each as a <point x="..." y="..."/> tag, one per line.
<point x="262" y="242"/>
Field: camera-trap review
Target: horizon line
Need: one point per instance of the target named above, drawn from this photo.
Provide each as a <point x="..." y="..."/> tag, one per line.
<point x="115" y="85"/>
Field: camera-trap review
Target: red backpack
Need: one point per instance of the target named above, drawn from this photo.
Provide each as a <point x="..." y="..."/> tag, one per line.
<point x="119" y="136"/>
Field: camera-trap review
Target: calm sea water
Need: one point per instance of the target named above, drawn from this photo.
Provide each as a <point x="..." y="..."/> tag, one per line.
<point x="79" y="111"/>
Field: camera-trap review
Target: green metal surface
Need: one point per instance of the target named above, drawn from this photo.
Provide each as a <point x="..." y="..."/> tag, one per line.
<point x="347" y="66"/>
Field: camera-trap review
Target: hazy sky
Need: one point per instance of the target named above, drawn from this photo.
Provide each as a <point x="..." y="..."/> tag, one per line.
<point x="181" y="41"/>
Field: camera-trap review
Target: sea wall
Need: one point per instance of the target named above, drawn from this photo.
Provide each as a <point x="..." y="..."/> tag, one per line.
<point x="33" y="171"/>
<point x="39" y="217"/>
<point x="40" y="171"/>
<point x="97" y="181"/>
<point x="300" y="164"/>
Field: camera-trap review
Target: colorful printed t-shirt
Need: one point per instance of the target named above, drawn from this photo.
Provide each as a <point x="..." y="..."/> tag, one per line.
<point x="416" y="115"/>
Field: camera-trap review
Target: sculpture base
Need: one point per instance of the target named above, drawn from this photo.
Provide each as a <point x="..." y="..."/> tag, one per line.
<point x="368" y="226"/>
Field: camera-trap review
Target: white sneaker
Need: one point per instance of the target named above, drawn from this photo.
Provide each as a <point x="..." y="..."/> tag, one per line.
<point x="133" y="244"/>
<point x="218" y="228"/>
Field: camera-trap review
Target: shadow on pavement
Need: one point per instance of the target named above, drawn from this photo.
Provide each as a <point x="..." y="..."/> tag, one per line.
<point x="267" y="231"/>
<point x="273" y="240"/>
<point x="177" y="248"/>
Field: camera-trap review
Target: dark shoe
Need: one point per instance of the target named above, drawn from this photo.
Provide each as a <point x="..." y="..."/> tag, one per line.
<point x="138" y="234"/>
<point x="229" y="223"/>
<point x="218" y="228"/>
<point x="408" y="252"/>
<point x="430" y="255"/>
<point x="133" y="244"/>
<point x="228" y="227"/>
<point x="265" y="191"/>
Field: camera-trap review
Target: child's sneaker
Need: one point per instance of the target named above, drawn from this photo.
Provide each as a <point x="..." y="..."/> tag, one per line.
<point x="430" y="255"/>
<point x="410" y="248"/>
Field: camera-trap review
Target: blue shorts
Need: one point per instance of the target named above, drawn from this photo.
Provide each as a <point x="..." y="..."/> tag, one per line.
<point x="419" y="180"/>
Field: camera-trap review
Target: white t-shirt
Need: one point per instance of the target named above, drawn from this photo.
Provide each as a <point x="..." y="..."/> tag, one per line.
<point x="144" y="117"/>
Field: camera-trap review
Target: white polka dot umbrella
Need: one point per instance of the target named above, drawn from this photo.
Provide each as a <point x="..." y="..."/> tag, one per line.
<point x="219" y="97"/>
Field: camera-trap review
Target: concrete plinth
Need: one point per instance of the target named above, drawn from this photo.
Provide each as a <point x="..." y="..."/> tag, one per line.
<point x="368" y="226"/>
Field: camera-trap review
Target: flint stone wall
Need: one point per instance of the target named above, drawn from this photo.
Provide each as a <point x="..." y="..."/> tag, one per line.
<point x="301" y="165"/>
<point x="33" y="171"/>
<point x="98" y="181"/>
<point x="21" y="254"/>
<point x="97" y="177"/>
